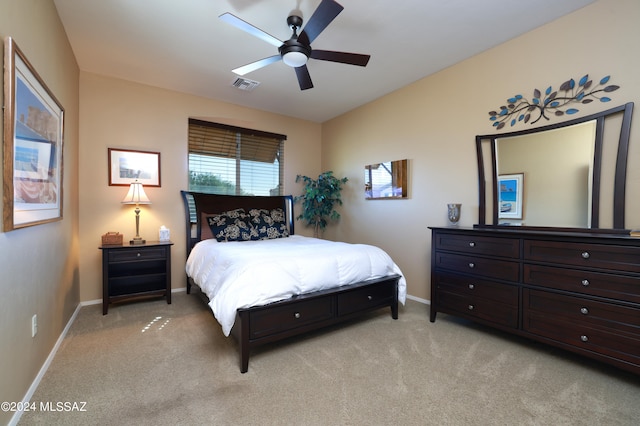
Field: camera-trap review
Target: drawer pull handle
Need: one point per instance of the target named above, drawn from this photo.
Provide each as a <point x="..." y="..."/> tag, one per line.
<point x="585" y="283"/>
<point x="472" y="265"/>
<point x="369" y="297"/>
<point x="584" y="311"/>
<point x="297" y="315"/>
<point x="472" y="244"/>
<point x="138" y="254"/>
<point x="584" y="338"/>
<point x="471" y="286"/>
<point x="471" y="307"/>
<point x="585" y="255"/>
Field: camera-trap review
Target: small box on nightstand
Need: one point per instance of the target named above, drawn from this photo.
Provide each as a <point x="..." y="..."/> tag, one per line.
<point x="112" y="238"/>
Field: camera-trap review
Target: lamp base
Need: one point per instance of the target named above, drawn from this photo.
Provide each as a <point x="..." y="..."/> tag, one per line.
<point x="137" y="241"/>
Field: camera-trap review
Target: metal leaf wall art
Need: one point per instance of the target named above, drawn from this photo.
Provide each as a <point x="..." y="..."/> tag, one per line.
<point x="559" y="102"/>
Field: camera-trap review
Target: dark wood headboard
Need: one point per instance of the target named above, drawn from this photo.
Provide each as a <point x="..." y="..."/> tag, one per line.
<point x="196" y="203"/>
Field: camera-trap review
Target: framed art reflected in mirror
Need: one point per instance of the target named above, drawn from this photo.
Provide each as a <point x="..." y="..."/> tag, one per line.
<point x="388" y="180"/>
<point x="510" y="196"/>
<point x="33" y="139"/>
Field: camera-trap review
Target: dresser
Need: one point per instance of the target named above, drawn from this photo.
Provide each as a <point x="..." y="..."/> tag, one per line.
<point x="576" y="291"/>
<point x="132" y="271"/>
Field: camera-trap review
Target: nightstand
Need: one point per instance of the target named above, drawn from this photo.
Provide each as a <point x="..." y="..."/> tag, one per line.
<point x="135" y="271"/>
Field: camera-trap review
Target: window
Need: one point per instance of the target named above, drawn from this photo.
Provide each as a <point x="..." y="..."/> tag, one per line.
<point x="234" y="161"/>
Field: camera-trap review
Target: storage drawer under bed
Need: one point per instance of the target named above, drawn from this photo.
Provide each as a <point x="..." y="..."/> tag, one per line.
<point x="365" y="298"/>
<point x="275" y="319"/>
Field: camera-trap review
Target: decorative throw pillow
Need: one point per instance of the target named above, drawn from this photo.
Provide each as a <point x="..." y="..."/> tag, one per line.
<point x="269" y="223"/>
<point x="231" y="226"/>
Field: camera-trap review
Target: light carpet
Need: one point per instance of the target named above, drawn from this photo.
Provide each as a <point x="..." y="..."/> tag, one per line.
<point x="149" y="363"/>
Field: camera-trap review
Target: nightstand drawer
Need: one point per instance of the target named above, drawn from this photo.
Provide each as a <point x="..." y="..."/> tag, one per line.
<point x="135" y="254"/>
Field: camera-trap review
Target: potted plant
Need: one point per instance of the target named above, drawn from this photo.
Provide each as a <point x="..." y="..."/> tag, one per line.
<point x="319" y="198"/>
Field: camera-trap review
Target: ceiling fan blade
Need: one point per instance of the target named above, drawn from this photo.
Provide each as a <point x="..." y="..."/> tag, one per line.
<point x="342" y="57"/>
<point x="245" y="69"/>
<point x="321" y="18"/>
<point x="247" y="27"/>
<point x="304" y="79"/>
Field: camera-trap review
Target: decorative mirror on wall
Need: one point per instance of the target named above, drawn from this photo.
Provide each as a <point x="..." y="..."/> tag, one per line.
<point x="386" y="180"/>
<point x="569" y="173"/>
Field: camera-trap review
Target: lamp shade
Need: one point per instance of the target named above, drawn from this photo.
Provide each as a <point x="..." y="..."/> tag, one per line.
<point x="136" y="195"/>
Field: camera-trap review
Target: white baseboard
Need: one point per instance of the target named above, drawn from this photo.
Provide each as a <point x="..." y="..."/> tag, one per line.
<point x="417" y="299"/>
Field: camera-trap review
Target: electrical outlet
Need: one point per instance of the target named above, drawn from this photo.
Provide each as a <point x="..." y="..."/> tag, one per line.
<point x="34" y="325"/>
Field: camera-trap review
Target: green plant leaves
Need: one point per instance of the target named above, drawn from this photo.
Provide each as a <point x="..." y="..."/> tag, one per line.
<point x="319" y="197"/>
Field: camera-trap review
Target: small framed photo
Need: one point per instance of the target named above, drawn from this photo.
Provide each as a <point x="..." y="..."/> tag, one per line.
<point x="126" y="166"/>
<point x="510" y="188"/>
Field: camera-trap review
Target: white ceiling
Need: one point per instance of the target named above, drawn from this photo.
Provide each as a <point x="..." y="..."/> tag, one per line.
<point x="183" y="46"/>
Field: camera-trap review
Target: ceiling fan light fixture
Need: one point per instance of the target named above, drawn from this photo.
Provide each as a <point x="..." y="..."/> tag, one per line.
<point x="295" y="59"/>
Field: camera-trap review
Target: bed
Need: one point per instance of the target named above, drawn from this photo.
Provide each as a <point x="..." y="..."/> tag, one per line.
<point x="263" y="283"/>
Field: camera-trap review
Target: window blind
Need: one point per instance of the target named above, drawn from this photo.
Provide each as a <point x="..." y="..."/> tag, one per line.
<point x="226" y="159"/>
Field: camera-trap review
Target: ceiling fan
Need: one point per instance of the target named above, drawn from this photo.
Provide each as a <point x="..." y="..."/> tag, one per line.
<point x="296" y="51"/>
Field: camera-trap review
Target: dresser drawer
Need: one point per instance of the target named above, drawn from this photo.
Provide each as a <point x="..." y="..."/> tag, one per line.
<point x="490" y="246"/>
<point x="620" y="287"/>
<point x="476" y="307"/>
<point x="366" y="298"/>
<point x="476" y="287"/>
<point x="489" y="268"/>
<point x="129" y="254"/>
<point x="600" y="333"/>
<point x="582" y="311"/>
<point x="290" y="316"/>
<point x="585" y="255"/>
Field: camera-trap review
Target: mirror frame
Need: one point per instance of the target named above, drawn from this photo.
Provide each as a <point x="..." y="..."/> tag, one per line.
<point x="619" y="179"/>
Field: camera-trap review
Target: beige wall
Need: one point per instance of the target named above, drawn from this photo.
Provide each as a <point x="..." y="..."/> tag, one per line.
<point x="434" y="121"/>
<point x="39" y="272"/>
<point x="121" y="114"/>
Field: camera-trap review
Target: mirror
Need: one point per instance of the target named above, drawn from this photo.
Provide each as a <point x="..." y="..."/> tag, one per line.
<point x="555" y="176"/>
<point x="546" y="177"/>
<point x="386" y="180"/>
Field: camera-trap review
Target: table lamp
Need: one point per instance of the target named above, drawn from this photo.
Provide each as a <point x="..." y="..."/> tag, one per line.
<point x="136" y="196"/>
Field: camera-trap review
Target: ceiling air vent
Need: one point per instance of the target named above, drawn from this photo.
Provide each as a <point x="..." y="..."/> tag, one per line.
<point x="245" y="84"/>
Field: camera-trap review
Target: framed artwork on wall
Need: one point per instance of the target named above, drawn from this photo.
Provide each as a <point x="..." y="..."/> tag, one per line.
<point x="33" y="140"/>
<point x="510" y="188"/>
<point x="127" y="166"/>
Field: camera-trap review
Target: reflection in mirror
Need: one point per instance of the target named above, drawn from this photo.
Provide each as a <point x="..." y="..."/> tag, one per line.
<point x="386" y="180"/>
<point x="557" y="168"/>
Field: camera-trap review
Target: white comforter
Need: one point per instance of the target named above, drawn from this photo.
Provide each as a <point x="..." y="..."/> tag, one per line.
<point x="249" y="273"/>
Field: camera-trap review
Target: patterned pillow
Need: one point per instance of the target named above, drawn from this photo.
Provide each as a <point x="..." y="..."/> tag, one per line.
<point x="269" y="224"/>
<point x="232" y="226"/>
